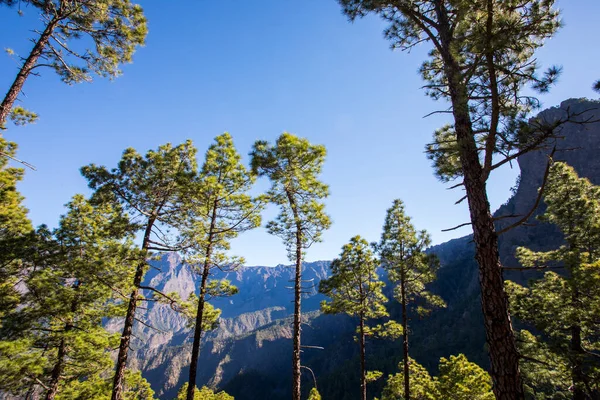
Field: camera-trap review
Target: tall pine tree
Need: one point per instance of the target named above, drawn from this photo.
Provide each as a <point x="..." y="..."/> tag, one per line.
<point x="482" y="56"/>
<point x="219" y="208"/>
<point x="151" y="189"/>
<point x="564" y="308"/>
<point x="293" y="165"/>
<point x="402" y="253"/>
<point x="355" y="289"/>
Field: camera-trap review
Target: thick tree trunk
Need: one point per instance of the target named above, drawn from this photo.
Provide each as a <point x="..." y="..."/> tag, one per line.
<point x="28" y="65"/>
<point x="200" y="312"/>
<point x="117" y="392"/>
<point x="504" y="357"/>
<point x="363" y="379"/>
<point x="405" y="337"/>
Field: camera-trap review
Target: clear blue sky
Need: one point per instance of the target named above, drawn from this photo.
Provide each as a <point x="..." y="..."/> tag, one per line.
<point x="256" y="69"/>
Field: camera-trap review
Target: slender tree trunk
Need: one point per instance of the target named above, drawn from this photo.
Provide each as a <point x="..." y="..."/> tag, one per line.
<point x="117" y="392"/>
<point x="197" y="336"/>
<point x="297" y="317"/>
<point x="296" y="366"/>
<point x="28" y="65"/>
<point x="59" y="366"/>
<point x="200" y="312"/>
<point x="504" y="357"/>
<point x="576" y="369"/>
<point x="363" y="379"/>
<point x="405" y="337"/>
<point x="57" y="370"/>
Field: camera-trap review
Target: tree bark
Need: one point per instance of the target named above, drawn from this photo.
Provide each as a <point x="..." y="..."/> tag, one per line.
<point x="576" y="369"/>
<point x="363" y="379"/>
<point x="297" y="303"/>
<point x="28" y="66"/>
<point x="62" y="354"/>
<point x="405" y="337"/>
<point x="57" y="371"/>
<point x="200" y="312"/>
<point x="504" y="357"/>
<point x="117" y="392"/>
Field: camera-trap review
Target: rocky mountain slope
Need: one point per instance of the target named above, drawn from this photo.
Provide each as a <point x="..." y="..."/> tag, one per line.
<point x="250" y="352"/>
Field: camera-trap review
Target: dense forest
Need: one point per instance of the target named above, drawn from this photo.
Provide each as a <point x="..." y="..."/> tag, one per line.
<point x="510" y="312"/>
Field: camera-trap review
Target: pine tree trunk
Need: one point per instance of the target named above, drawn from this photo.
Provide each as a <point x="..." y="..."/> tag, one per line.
<point x="576" y="369"/>
<point x="405" y="337"/>
<point x="297" y="318"/>
<point x="363" y="379"/>
<point x="62" y="353"/>
<point x="504" y="357"/>
<point x="28" y="65"/>
<point x="296" y="366"/>
<point x="197" y="336"/>
<point x="200" y="313"/>
<point x="117" y="392"/>
<point x="57" y="370"/>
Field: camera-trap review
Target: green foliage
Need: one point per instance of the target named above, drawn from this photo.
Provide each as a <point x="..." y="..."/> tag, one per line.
<point x="217" y="209"/>
<point x="15" y="228"/>
<point x="293" y="165"/>
<point x="596" y="86"/>
<point x="354" y="286"/>
<point x="21" y="116"/>
<point x="564" y="308"/>
<point x="422" y="386"/>
<point x="458" y="379"/>
<point x="150" y="187"/>
<point x="402" y="253"/>
<point x="203" y="393"/>
<point x="388" y="330"/>
<point x="111" y="30"/>
<point x="96" y="388"/>
<point x="75" y="277"/>
<point x="372" y="376"/>
<point x="314" y="394"/>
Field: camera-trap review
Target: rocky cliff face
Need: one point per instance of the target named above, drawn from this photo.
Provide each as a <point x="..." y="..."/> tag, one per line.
<point x="255" y="318"/>
<point x="250" y="352"/>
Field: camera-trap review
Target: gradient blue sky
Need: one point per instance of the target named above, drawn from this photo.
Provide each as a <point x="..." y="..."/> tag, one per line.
<point x="256" y="69"/>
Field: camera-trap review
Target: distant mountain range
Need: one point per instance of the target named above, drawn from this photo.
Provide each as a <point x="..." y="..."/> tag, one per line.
<point x="249" y="355"/>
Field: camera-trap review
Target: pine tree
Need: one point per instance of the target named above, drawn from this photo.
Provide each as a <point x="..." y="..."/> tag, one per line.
<point x="55" y="337"/>
<point x="152" y="190"/>
<point x="564" y="308"/>
<point x="402" y="252"/>
<point x="482" y="57"/>
<point x="111" y="28"/>
<point x="293" y="166"/>
<point x="355" y="289"/>
<point x="219" y="208"/>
